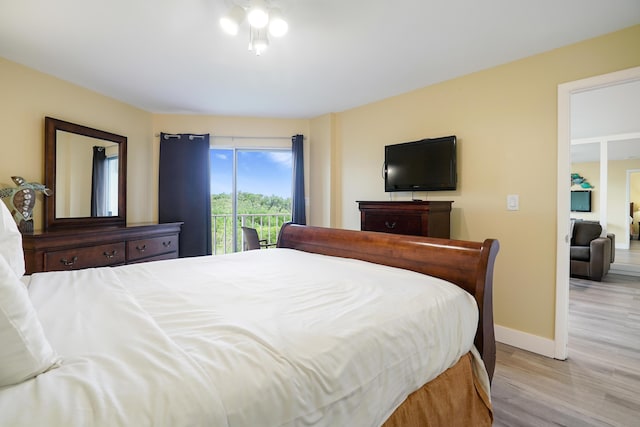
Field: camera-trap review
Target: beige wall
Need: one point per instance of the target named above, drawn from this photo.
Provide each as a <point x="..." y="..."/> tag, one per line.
<point x="505" y="119"/>
<point x="506" y="122"/>
<point x="74" y="164"/>
<point x="322" y="178"/>
<point x="617" y="208"/>
<point x="28" y="96"/>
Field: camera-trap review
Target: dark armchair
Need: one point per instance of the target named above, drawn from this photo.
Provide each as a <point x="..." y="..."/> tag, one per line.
<point x="590" y="254"/>
<point x="252" y="241"/>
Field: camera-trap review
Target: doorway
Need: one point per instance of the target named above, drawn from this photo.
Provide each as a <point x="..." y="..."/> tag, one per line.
<point x="627" y="259"/>
<point x="565" y="91"/>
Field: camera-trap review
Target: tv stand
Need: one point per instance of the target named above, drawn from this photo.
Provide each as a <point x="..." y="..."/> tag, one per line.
<point x="417" y="218"/>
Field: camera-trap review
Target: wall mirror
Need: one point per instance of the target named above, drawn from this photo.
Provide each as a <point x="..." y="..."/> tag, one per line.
<point x="86" y="169"/>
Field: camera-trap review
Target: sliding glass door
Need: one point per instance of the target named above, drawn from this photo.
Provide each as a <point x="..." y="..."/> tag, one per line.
<point x="249" y="187"/>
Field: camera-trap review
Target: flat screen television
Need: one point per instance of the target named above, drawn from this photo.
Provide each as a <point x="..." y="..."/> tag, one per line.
<point x="425" y="165"/>
<point x="581" y="201"/>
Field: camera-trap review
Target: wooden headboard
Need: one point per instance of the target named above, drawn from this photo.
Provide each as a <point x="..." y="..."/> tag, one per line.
<point x="467" y="264"/>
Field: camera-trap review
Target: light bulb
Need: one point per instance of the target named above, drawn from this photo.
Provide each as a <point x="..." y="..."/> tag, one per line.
<point x="231" y="21"/>
<point x="278" y="27"/>
<point x="258" y="15"/>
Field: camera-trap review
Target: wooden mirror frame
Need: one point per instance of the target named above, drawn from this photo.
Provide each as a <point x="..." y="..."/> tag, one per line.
<point x="50" y="157"/>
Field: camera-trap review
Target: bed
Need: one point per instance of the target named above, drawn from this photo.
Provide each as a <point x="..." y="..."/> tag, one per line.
<point x="331" y="328"/>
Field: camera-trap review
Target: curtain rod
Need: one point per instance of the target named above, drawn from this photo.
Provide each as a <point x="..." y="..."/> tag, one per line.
<point x="251" y="137"/>
<point x="232" y="136"/>
<point x="191" y="137"/>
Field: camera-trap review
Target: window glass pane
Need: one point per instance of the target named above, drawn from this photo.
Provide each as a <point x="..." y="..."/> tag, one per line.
<point x="265" y="172"/>
<point x="264" y="190"/>
<point x="221" y="184"/>
<point x="262" y="194"/>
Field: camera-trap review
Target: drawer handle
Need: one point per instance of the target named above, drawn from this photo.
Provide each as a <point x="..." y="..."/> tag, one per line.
<point x="389" y="225"/>
<point x="166" y="244"/>
<point x="141" y="248"/>
<point x="69" y="263"/>
<point x="111" y="254"/>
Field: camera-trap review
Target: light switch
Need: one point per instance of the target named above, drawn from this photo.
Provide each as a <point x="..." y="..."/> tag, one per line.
<point x="513" y="202"/>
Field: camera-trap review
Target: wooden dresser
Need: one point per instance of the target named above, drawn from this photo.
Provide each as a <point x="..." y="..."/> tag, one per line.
<point x="85" y="247"/>
<point x="431" y="219"/>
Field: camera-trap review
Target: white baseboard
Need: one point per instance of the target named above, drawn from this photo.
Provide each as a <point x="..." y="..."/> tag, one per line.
<point x="525" y="341"/>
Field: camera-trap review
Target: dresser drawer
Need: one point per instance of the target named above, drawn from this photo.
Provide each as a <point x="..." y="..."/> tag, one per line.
<point x="419" y="218"/>
<point x="169" y="255"/>
<point x="152" y="247"/>
<point x="84" y="257"/>
<point x="98" y="247"/>
<point x="393" y="223"/>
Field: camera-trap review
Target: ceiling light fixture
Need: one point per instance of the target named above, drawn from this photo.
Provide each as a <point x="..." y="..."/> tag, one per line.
<point x="278" y="27"/>
<point x="258" y="15"/>
<point x="230" y="22"/>
<point x="261" y="18"/>
<point x="258" y="40"/>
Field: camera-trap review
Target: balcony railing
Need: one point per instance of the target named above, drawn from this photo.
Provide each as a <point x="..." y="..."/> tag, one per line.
<point x="225" y="240"/>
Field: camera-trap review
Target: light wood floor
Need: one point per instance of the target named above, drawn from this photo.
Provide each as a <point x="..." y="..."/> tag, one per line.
<point x="599" y="384"/>
<point x="631" y="255"/>
<point x="627" y="261"/>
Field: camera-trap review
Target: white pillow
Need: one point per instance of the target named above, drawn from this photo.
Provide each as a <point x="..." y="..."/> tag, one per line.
<point x="11" y="241"/>
<point x="24" y="349"/>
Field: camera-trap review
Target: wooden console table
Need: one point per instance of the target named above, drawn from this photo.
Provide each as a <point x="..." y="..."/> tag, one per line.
<point x="430" y="219"/>
<point x="98" y="247"/>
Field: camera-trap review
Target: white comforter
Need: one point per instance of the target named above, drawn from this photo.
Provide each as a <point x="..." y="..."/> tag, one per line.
<point x="261" y="338"/>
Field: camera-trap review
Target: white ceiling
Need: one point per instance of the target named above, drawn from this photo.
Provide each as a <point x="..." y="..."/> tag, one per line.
<point x="611" y="114"/>
<point x="170" y="56"/>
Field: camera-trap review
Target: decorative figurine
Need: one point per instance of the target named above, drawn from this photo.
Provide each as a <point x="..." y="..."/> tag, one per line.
<point x="21" y="200"/>
<point x="577" y="179"/>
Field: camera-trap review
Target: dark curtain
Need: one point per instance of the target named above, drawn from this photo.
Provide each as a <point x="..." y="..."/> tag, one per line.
<point x="184" y="193"/>
<point x="298" y="214"/>
<point x="99" y="183"/>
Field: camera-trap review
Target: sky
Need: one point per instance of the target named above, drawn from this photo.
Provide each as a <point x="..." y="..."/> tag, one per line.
<point x="265" y="172"/>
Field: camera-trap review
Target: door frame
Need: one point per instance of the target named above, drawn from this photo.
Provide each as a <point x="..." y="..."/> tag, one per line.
<point x="628" y="190"/>
<point x="565" y="90"/>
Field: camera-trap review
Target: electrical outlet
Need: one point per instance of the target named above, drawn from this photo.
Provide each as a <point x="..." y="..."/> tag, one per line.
<point x="513" y="202"/>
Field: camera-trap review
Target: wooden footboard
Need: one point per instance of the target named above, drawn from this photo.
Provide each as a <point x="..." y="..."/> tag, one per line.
<point x="467" y="264"/>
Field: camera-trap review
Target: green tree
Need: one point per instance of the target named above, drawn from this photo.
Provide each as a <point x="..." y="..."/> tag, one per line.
<point x="248" y="204"/>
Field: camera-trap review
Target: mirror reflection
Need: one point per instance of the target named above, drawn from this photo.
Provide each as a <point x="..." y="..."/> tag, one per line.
<point x="86" y="176"/>
<point x="86" y="170"/>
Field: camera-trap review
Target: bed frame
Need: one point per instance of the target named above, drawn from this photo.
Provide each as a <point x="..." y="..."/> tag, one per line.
<point x="466" y="264"/>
